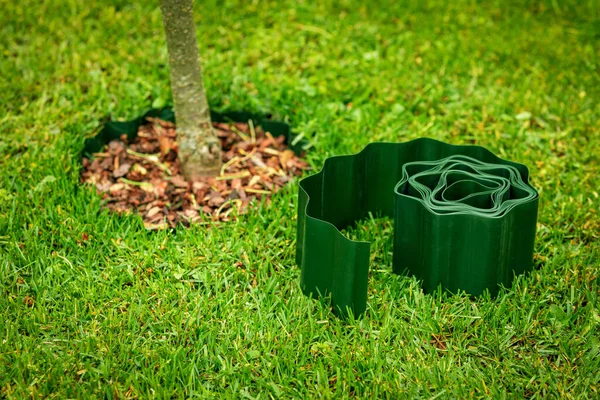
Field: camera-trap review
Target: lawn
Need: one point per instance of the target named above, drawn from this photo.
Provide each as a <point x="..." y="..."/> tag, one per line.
<point x="93" y="305"/>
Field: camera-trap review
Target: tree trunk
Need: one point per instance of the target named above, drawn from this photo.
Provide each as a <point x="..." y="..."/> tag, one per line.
<point x="199" y="147"/>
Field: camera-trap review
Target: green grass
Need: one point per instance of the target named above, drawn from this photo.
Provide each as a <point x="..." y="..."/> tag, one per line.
<point x="217" y="311"/>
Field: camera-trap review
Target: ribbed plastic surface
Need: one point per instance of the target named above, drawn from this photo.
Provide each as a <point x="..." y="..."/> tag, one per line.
<point x="463" y="219"/>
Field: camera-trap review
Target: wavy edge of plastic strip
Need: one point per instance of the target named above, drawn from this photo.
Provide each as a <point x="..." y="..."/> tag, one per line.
<point x="444" y="235"/>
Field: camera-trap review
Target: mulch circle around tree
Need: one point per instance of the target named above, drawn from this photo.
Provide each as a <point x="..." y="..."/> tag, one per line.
<point x="144" y="175"/>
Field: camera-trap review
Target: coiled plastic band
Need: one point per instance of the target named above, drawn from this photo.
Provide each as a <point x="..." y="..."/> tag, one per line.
<point x="464" y="219"/>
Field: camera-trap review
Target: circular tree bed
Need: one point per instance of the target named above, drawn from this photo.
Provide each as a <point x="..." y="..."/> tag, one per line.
<point x="142" y="174"/>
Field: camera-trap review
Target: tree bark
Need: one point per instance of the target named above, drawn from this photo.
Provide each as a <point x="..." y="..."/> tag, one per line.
<point x="199" y="147"/>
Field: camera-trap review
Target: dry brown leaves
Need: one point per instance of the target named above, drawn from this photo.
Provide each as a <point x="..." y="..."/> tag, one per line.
<point x="144" y="176"/>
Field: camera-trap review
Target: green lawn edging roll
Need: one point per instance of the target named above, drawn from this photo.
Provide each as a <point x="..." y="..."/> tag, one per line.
<point x="464" y="219"/>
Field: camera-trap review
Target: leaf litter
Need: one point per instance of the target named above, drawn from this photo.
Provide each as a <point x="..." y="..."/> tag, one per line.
<point x="145" y="176"/>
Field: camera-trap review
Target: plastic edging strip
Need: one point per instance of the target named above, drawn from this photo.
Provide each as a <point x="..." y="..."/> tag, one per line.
<point x="464" y="219"/>
<point x="114" y="129"/>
